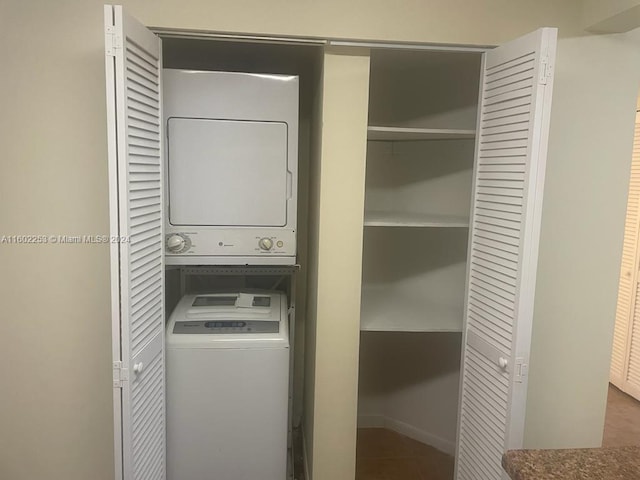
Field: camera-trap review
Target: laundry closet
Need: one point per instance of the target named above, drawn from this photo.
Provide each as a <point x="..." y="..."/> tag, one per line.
<point x="455" y="146"/>
<point x="253" y="101"/>
<point x="209" y="155"/>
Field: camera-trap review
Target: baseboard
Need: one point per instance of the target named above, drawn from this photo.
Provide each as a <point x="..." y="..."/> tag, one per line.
<point x="371" y="421"/>
<point x="423" y="436"/>
<point x="442" y="444"/>
<point x="305" y="462"/>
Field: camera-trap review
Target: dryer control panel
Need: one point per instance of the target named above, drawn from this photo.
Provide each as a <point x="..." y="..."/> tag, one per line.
<point x="265" y="243"/>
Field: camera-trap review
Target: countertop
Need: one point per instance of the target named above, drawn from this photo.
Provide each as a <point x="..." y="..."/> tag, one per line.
<point x="618" y="463"/>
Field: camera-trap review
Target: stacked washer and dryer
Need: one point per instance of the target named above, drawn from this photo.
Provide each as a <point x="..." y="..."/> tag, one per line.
<point x="231" y="199"/>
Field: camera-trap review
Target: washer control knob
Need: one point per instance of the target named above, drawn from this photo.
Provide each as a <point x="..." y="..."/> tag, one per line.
<point x="176" y="243"/>
<point x="265" y="243"/>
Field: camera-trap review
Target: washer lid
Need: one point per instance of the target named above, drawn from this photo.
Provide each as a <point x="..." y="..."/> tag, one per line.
<point x="250" y="319"/>
<point x="231" y="307"/>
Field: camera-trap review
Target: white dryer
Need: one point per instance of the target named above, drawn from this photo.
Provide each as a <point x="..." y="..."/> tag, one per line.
<point x="231" y="167"/>
<point x="227" y="387"/>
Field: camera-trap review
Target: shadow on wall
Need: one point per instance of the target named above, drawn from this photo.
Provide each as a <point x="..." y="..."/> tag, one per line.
<point x="404" y="359"/>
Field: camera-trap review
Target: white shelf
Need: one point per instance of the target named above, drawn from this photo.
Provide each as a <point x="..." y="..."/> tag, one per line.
<point x="390" y="310"/>
<point x="405" y="219"/>
<point x="408" y="133"/>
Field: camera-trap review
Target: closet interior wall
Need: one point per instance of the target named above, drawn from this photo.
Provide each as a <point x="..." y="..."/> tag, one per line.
<point x="420" y="151"/>
<point x="266" y="58"/>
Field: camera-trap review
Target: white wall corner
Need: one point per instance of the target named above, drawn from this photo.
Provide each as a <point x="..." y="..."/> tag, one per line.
<point x="381" y="421"/>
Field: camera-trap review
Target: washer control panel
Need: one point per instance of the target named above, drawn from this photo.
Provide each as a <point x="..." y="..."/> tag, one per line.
<point x="208" y="327"/>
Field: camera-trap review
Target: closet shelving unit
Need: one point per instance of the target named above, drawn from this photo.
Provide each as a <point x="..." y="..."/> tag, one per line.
<point x="420" y="151"/>
<point x="409" y="219"/>
<point x="414" y="133"/>
<point x="421" y="132"/>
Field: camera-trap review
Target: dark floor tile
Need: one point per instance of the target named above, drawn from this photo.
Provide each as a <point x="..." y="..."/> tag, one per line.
<point x="387" y="469"/>
<point x="436" y="467"/>
<point x="381" y="443"/>
<point x="419" y="449"/>
<point x="387" y="455"/>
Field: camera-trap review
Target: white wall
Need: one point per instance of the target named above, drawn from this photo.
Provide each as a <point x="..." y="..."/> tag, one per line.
<point x="409" y="383"/>
<point x="588" y="164"/>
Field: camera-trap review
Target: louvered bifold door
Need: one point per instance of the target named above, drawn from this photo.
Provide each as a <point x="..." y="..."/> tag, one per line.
<point x="511" y="149"/>
<point x="626" y="313"/>
<point x="133" y="105"/>
<point x="631" y="384"/>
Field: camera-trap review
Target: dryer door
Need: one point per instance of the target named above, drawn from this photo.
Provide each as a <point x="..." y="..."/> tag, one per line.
<point x="227" y="172"/>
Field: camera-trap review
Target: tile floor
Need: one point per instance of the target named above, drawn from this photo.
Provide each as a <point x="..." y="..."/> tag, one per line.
<point x="622" y="421"/>
<point x="382" y="454"/>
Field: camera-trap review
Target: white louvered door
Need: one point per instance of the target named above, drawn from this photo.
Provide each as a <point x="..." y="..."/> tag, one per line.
<point x="133" y="66"/>
<point x="631" y="384"/>
<point x="625" y="356"/>
<point x="510" y="161"/>
<point x="631" y="379"/>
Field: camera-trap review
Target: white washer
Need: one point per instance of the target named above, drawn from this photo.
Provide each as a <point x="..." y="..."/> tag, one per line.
<point x="227" y="387"/>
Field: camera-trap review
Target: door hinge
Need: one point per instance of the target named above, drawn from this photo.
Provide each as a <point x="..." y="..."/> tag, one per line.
<point x="112" y="41"/>
<point x="120" y="375"/>
<point x="520" y="370"/>
<point x="546" y="70"/>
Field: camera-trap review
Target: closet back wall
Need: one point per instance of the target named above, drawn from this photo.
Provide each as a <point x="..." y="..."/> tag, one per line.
<point x="55" y="332"/>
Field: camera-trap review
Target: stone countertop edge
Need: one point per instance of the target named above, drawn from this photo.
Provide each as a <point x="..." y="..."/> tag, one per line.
<point x="616" y="463"/>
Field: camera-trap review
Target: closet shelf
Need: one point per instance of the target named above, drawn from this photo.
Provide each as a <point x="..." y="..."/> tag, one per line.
<point x="388" y="309"/>
<point x="405" y="219"/>
<point x="408" y="133"/>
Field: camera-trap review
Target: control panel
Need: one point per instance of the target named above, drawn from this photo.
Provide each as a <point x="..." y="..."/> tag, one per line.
<point x="178" y="243"/>
<point x="209" y="327"/>
<point x="239" y="243"/>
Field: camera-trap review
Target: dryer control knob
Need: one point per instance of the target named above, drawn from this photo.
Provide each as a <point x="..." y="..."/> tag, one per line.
<point x="175" y="243"/>
<point x="265" y="243"/>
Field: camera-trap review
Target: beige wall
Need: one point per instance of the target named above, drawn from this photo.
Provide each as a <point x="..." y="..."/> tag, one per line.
<point x="611" y="15"/>
<point x="444" y="21"/>
<point x="341" y="207"/>
<point x="55" y="406"/>
<point x="596" y="10"/>
<point x="311" y="314"/>
<point x="592" y="122"/>
<point x="55" y="354"/>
